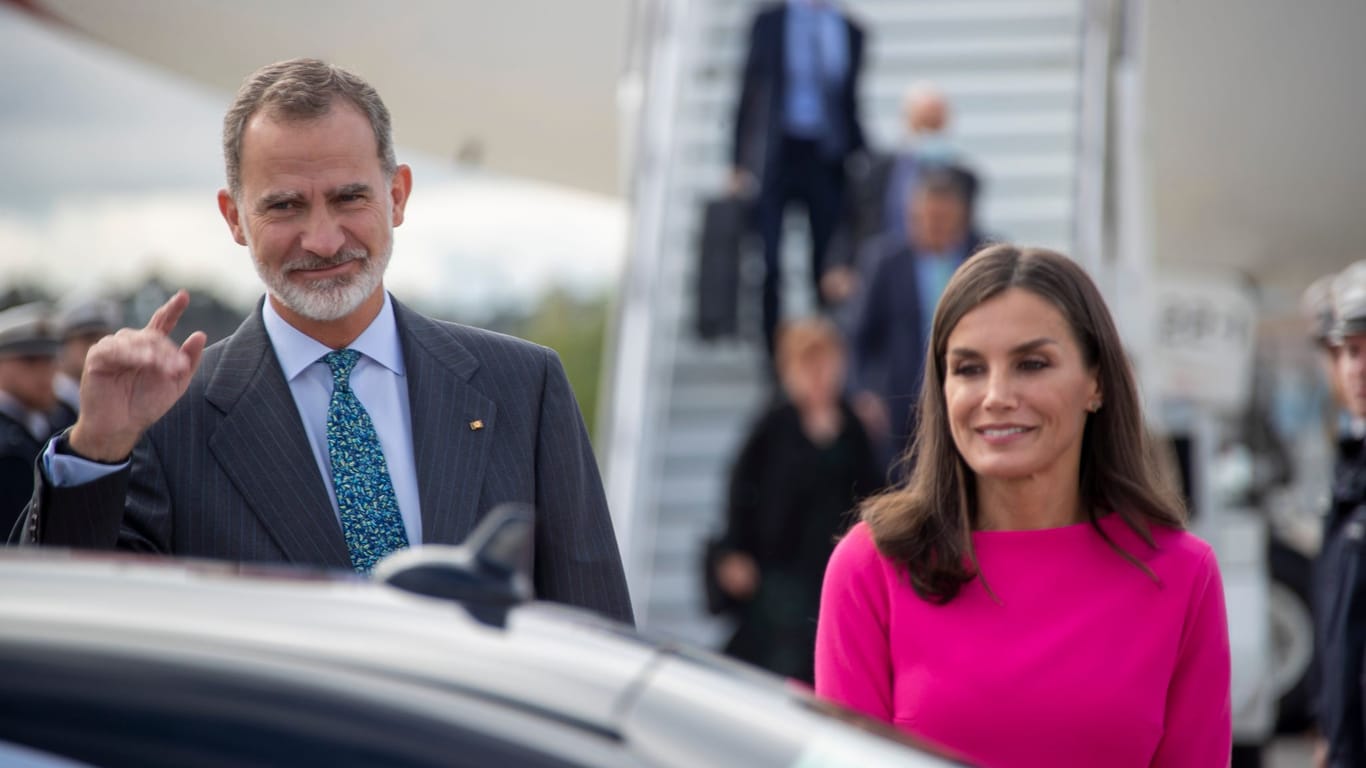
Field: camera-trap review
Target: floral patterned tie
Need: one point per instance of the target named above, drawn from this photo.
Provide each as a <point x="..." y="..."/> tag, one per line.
<point x="365" y="494"/>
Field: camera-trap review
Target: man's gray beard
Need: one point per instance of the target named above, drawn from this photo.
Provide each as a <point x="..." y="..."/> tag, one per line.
<point x="327" y="299"/>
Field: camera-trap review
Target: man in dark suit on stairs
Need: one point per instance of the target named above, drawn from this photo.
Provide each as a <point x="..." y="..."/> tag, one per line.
<point x="335" y="425"/>
<point x="796" y="124"/>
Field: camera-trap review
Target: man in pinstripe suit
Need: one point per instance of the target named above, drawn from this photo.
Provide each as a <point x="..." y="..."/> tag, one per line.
<point x="224" y="452"/>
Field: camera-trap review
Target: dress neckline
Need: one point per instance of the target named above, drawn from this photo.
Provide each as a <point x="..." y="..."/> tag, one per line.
<point x="1058" y="530"/>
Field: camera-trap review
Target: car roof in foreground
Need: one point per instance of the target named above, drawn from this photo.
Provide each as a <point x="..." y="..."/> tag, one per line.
<point x="563" y="662"/>
<point x="547" y="656"/>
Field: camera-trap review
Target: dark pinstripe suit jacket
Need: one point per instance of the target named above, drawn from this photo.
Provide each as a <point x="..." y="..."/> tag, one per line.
<point x="228" y="473"/>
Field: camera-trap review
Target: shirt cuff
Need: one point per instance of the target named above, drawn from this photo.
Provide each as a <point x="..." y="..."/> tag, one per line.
<point x="66" y="471"/>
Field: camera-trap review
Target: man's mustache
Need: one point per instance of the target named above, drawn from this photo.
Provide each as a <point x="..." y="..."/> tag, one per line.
<point x="313" y="262"/>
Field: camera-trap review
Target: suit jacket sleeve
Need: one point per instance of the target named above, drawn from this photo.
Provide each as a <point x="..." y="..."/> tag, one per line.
<point x="850" y="95"/>
<point x="577" y="560"/>
<point x="16" y="474"/>
<point x="92" y="515"/>
<point x="868" y="339"/>
<point x="749" y="127"/>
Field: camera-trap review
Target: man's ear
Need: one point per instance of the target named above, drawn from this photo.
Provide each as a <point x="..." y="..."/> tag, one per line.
<point x="228" y="207"/>
<point x="399" y="189"/>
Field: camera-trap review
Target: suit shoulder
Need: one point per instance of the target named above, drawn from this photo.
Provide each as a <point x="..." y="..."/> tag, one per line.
<point x="213" y="353"/>
<point x="481" y="340"/>
<point x="503" y="360"/>
<point x="897" y="263"/>
<point x="208" y="363"/>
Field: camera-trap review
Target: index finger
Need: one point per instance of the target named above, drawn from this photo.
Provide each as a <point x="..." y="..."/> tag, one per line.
<point x="168" y="314"/>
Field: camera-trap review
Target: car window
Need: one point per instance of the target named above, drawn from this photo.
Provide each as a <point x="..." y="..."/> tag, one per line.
<point x="126" y="710"/>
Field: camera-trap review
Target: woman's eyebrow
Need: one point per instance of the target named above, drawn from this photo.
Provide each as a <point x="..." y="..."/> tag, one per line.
<point x="1019" y="349"/>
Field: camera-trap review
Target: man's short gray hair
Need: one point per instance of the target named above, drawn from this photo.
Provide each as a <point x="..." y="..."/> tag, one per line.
<point x="302" y="89"/>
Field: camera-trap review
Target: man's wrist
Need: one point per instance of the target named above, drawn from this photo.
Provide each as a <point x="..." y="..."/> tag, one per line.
<point x="66" y="446"/>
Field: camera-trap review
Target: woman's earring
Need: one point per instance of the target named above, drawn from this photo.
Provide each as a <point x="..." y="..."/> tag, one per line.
<point x="1094" y="406"/>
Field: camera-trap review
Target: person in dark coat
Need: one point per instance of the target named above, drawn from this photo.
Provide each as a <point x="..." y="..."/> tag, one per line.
<point x="1340" y="571"/>
<point x="796" y="124"/>
<point x="899" y="287"/>
<point x="801" y="471"/>
<point x="28" y="363"/>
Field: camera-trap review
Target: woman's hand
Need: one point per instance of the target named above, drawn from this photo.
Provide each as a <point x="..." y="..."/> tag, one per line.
<point x="737" y="575"/>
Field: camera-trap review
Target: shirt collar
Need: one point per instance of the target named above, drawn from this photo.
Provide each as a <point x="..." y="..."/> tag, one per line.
<point x="297" y="350"/>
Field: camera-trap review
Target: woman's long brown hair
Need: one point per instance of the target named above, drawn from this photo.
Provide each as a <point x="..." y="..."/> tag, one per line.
<point x="925" y="525"/>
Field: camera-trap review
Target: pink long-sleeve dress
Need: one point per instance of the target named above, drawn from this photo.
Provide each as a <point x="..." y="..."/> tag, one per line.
<point x="1079" y="659"/>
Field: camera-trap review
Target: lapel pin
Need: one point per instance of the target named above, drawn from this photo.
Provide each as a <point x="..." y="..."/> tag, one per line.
<point x="476" y="425"/>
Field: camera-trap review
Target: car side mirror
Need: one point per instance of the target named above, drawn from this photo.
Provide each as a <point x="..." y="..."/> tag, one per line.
<point x="488" y="573"/>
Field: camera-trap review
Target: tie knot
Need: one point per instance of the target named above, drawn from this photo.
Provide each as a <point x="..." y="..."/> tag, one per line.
<point x="341" y="362"/>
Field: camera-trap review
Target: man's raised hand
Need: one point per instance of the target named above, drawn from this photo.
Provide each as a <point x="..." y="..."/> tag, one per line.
<point x="131" y="379"/>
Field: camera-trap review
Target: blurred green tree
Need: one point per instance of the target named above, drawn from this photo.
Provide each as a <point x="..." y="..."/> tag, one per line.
<point x="574" y="327"/>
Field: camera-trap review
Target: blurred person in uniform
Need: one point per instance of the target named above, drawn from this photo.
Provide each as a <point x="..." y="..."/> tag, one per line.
<point x="898" y="288"/>
<point x="1032" y="579"/>
<point x="801" y="470"/>
<point x="1325" y="398"/>
<point x="335" y="426"/>
<point x="80" y="321"/>
<point x="796" y="125"/>
<point x="1316" y="307"/>
<point x="1340" y="571"/>
<point x="28" y="363"/>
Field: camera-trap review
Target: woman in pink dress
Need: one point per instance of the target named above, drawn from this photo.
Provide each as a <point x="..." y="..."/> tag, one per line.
<point x="1029" y="596"/>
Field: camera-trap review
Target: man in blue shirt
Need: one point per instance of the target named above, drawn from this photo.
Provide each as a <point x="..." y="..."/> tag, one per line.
<point x="796" y="124"/>
<point x="335" y="425"/>
<point x="899" y="287"/>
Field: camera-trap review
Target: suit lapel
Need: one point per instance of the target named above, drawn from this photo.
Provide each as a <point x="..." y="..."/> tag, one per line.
<point x="262" y="447"/>
<point x="453" y="426"/>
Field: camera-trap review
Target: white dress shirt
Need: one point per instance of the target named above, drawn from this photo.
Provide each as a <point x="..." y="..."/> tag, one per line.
<point x="379" y="381"/>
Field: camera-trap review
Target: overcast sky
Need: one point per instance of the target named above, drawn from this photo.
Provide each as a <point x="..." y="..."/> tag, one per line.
<point x="110" y="169"/>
